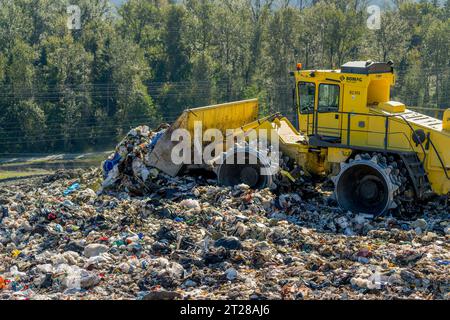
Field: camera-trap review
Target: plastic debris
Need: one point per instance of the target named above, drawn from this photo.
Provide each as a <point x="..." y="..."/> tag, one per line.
<point x="2" y="283"/>
<point x="74" y="187"/>
<point x="161" y="238"/>
<point x="231" y="274"/>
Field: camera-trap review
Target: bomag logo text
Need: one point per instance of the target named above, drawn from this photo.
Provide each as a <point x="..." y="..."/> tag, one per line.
<point x="354" y="79"/>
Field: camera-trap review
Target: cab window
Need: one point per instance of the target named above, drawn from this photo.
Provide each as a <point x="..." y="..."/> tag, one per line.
<point x="307" y="93"/>
<point x="328" y="98"/>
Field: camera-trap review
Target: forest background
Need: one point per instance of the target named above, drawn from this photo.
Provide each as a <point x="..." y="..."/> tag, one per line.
<point x="78" y="84"/>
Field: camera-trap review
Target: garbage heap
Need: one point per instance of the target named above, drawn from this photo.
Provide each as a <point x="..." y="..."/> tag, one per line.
<point x="96" y="234"/>
<point x="128" y="169"/>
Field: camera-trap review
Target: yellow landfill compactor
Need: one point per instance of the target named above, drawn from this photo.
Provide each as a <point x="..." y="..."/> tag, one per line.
<point x="379" y="154"/>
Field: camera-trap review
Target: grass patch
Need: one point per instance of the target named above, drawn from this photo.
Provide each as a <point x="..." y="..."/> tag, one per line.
<point x="94" y="160"/>
<point x="42" y="166"/>
<point x="4" y="174"/>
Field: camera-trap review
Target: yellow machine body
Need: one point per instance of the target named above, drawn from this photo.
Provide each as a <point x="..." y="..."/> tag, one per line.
<point x="360" y="115"/>
<point x="227" y="116"/>
<point x="446" y="121"/>
<point x="340" y="113"/>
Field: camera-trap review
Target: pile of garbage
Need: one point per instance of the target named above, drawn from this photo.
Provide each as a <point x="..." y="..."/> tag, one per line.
<point x="128" y="169"/>
<point x="131" y="232"/>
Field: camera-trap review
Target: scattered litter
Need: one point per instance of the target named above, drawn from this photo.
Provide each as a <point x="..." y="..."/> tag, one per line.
<point x="150" y="236"/>
<point x="231" y="274"/>
<point x="74" y="187"/>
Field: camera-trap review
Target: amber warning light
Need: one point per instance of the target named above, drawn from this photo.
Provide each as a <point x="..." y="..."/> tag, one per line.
<point x="299" y="66"/>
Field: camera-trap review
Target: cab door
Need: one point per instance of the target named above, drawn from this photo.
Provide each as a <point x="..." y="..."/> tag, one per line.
<point x="328" y="120"/>
<point x="306" y="106"/>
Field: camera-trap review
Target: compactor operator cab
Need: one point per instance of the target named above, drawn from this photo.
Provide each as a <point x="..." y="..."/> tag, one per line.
<point x="324" y="98"/>
<point x="319" y="107"/>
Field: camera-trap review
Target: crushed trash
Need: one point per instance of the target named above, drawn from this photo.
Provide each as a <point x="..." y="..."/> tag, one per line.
<point x="148" y="236"/>
<point x="74" y="187"/>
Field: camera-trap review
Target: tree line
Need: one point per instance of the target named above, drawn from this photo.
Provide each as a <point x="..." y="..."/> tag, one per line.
<point x="69" y="89"/>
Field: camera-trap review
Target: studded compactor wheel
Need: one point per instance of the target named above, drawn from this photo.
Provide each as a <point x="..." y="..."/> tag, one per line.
<point x="369" y="184"/>
<point x="243" y="165"/>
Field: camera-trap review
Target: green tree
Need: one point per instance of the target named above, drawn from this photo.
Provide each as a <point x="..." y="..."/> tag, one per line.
<point x="67" y="72"/>
<point x="412" y="86"/>
<point x="437" y="47"/>
<point x="129" y="72"/>
<point x="391" y="39"/>
<point x="282" y="52"/>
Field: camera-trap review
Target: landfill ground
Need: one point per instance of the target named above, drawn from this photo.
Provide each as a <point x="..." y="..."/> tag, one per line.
<point x="188" y="238"/>
<point x="15" y="167"/>
<point x="129" y="231"/>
